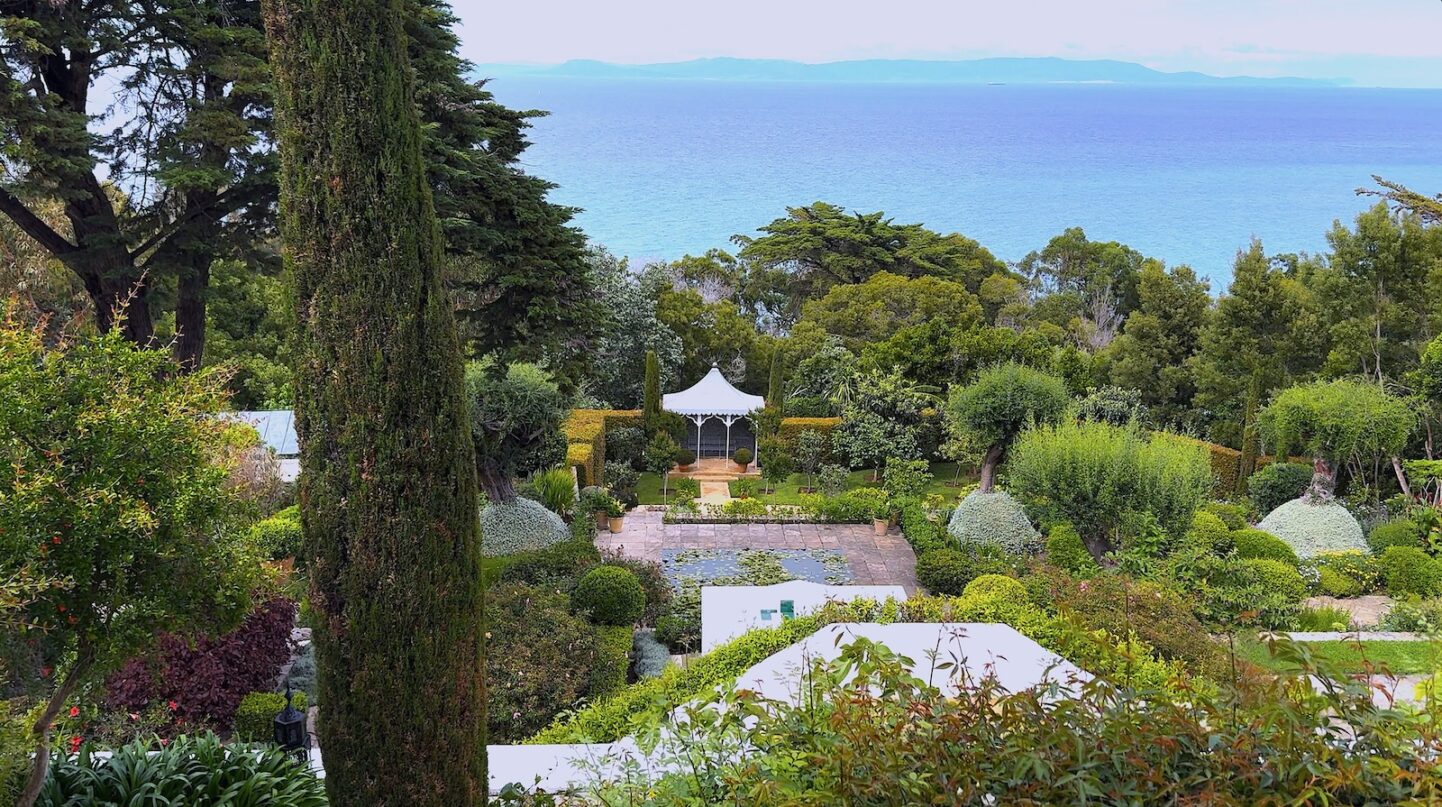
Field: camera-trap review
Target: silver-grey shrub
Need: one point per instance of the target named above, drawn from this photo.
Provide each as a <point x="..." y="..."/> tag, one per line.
<point x="521" y="525"/>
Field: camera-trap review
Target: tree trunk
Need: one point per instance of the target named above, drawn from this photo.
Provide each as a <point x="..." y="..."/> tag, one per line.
<point x="1401" y="477"/>
<point x="190" y="304"/>
<point x="388" y="482"/>
<point x="1324" y="477"/>
<point x="989" y="461"/>
<point x="41" y="729"/>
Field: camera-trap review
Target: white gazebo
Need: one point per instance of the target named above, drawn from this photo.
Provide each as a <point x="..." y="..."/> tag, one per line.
<point x="714" y="399"/>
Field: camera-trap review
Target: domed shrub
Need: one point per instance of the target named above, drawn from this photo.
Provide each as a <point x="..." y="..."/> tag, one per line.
<point x="1395" y="533"/>
<point x="993" y="518"/>
<point x="1278" y="484"/>
<point x="947" y="571"/>
<point x="996" y="588"/>
<point x="1279" y="577"/>
<point x="1065" y="550"/>
<point x="522" y="525"/>
<point x="1358" y="567"/>
<point x="280" y="535"/>
<point x="1233" y="515"/>
<point x="1208" y="530"/>
<point x="1254" y="543"/>
<point x="1409" y="570"/>
<point x="1333" y="583"/>
<point x="610" y="595"/>
<point x="1311" y="527"/>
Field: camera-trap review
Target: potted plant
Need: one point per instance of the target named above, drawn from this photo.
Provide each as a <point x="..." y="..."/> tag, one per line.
<point x="685" y="458"/>
<point x="615" y="515"/>
<point x="881" y="518"/>
<point x="742" y="458"/>
<point x="593" y="501"/>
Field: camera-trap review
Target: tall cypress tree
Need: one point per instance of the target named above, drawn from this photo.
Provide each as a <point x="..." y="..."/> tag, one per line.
<point x="388" y="492"/>
<point x="774" y="392"/>
<point x="651" y="402"/>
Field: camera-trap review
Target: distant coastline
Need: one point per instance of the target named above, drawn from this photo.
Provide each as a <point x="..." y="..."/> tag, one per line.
<point x="1006" y="70"/>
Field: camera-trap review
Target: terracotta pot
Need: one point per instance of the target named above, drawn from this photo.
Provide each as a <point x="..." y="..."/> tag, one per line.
<point x="881" y="525"/>
<point x="601" y="519"/>
<point x="684" y="469"/>
<point x="742" y="468"/>
<point x="615" y="524"/>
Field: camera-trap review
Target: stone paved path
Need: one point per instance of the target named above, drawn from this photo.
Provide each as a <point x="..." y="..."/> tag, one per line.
<point x="1366" y="611"/>
<point x="875" y="560"/>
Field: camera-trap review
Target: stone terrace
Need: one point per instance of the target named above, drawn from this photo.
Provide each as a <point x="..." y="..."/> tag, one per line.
<point x="874" y="560"/>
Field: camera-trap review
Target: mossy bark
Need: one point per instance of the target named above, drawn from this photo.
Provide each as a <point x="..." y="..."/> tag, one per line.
<point x="388" y="484"/>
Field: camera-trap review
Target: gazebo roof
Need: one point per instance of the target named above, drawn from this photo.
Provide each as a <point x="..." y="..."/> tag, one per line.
<point x="276" y="427"/>
<point x="712" y="395"/>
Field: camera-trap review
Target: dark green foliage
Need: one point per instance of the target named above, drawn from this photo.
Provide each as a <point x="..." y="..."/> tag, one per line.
<point x="255" y="717"/>
<point x="685" y="456"/>
<point x="388" y="487"/>
<point x="774" y="457"/>
<point x="1065" y="550"/>
<point x="189" y="770"/>
<point x="741" y="456"/>
<point x="1395" y="533"/>
<point x="921" y="532"/>
<point x="1254" y="543"/>
<point x="1276" y="484"/>
<point x="1112" y="404"/>
<point x="610" y="595"/>
<point x="624" y="444"/>
<point x="948" y="571"/>
<point x="775" y="389"/>
<point x="1154" y="353"/>
<point x="1409" y="570"/>
<point x="556" y="567"/>
<point x="539" y="659"/>
<point x="516" y="415"/>
<point x="651" y="392"/>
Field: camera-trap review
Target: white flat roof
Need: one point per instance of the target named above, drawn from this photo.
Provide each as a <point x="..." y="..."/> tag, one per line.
<point x="729" y="611"/>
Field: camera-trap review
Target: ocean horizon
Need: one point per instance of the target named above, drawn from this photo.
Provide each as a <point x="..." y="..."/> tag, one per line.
<point x="663" y="168"/>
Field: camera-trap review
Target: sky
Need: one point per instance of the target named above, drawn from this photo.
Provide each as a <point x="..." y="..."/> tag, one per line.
<point x="1393" y="43"/>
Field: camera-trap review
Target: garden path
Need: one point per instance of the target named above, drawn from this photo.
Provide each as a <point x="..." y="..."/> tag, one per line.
<point x="875" y="560"/>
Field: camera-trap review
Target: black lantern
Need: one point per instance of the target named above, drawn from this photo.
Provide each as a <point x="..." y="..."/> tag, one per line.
<point x="290" y="732"/>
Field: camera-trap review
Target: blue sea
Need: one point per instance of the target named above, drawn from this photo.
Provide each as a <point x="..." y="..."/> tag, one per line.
<point x="1189" y="175"/>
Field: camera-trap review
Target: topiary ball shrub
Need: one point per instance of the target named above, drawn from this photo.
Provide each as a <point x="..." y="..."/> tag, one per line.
<point x="993" y="518"/>
<point x="1210" y="532"/>
<point x="1065" y="550"/>
<point x="255" y="717"/>
<point x="1333" y="583"/>
<point x="1311" y="527"/>
<point x="1279" y="577"/>
<point x="1408" y="570"/>
<point x="610" y="595"/>
<point x="1278" y="484"/>
<point x="521" y="525"/>
<point x="1233" y="515"/>
<point x="1395" y="533"/>
<point x="280" y="535"/>
<point x="948" y="571"/>
<point x="996" y="588"/>
<point x="1254" y="543"/>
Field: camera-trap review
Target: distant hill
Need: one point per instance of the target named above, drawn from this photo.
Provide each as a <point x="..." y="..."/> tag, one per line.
<point x="1048" y="70"/>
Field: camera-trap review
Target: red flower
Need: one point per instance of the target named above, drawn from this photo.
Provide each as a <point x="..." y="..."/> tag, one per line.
<point x="75" y="744"/>
<point x="45" y="672"/>
<point x="55" y="540"/>
<point x="75" y="711"/>
<point x="164" y="742"/>
<point x="71" y="619"/>
<point x="173" y="705"/>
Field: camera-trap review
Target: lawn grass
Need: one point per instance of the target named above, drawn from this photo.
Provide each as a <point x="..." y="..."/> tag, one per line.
<point x="943" y="474"/>
<point x="1400" y="658"/>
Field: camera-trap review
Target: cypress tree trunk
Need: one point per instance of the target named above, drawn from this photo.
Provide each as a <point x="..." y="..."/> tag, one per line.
<point x="388" y="488"/>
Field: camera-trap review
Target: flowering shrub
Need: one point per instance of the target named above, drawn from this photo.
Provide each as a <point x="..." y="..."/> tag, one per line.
<point x="993" y="518"/>
<point x="539" y="658"/>
<point x="204" y="680"/>
<point x="1311" y="527"/>
<point x="1346" y="574"/>
<point x="521" y="525"/>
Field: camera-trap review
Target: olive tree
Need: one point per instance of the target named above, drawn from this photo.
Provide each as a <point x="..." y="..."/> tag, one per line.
<point x="1336" y="423"/>
<point x="992" y="410"/>
<point x="516" y="417"/>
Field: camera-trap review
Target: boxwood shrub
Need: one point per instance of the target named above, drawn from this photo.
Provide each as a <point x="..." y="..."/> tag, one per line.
<point x="1408" y="570"/>
<point x="1277" y="484"/>
<point x="610" y="595"/>
<point x="948" y="571"/>
<point x="1255" y="543"/>
<point x="255" y="717"/>
<point x="1065" y="550"/>
<point x="1403" y="532"/>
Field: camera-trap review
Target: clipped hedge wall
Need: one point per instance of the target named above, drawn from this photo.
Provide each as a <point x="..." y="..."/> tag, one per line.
<point x="585" y="431"/>
<point x="1226" y="466"/>
<point x="613" y="660"/>
<point x="791" y="429"/>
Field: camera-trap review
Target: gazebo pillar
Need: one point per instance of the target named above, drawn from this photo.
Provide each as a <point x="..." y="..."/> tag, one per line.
<point x="729" y="419"/>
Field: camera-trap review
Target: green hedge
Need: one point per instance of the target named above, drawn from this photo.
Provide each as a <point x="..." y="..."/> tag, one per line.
<point x="255" y="717"/>
<point x="585" y="431"/>
<point x="613" y="660"/>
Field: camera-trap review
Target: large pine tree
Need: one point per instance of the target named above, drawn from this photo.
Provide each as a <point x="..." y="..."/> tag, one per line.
<point x="388" y="493"/>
